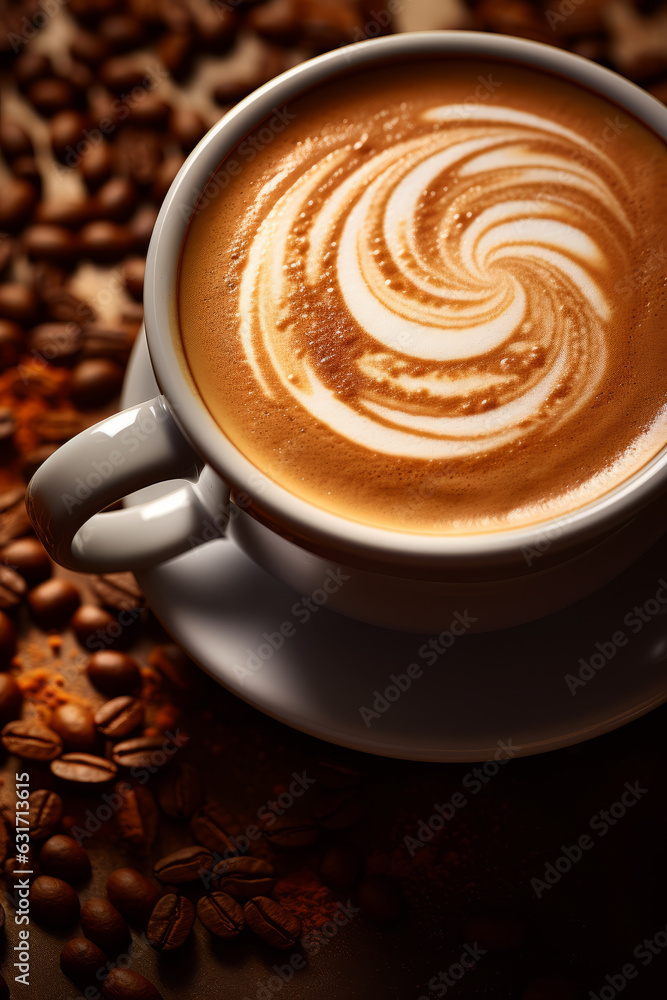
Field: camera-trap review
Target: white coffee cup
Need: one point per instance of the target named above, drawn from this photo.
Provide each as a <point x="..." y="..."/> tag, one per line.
<point x="396" y="579"/>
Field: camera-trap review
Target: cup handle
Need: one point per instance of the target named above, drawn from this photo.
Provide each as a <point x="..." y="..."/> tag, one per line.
<point x="138" y="447"/>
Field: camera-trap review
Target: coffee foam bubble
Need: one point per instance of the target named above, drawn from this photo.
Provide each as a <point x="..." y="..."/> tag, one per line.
<point x="469" y="260"/>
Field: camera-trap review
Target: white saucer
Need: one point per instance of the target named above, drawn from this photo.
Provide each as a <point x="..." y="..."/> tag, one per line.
<point x="505" y="686"/>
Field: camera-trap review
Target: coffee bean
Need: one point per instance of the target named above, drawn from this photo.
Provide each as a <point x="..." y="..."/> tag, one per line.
<point x="113" y="672"/>
<point x="26" y="168"/>
<point x="123" y="32"/>
<point x="105" y="242"/>
<point x="176" y="49"/>
<point x="136" y="816"/>
<point x="134" y="271"/>
<point x="96" y="165"/>
<point x="272" y="922"/>
<point x="94" y="626"/>
<point x="121" y="74"/>
<point x="213" y="826"/>
<point x="277" y="21"/>
<point x="380" y="899"/>
<point x="326" y="24"/>
<point x="46" y="808"/>
<point x="13" y="588"/>
<point x="29" y="558"/>
<point x="95" y="382"/>
<point x="116" y="199"/>
<point x="339" y="810"/>
<point x="67" y="213"/>
<point x="292" y="832"/>
<point x="342" y="866"/>
<point x="53" y="902"/>
<point x="57" y="426"/>
<point x="83" y="768"/>
<point x="165" y="175"/>
<point x="51" y="95"/>
<point x="63" y="857"/>
<point x="44" y="242"/>
<point x="18" y="302"/>
<point x="150" y="112"/>
<point x="180" y="791"/>
<point x="140" y="751"/>
<point x="11" y="343"/>
<point x="81" y="960"/>
<point x="64" y="307"/>
<point x="216" y="28"/>
<point x="89" y="47"/>
<point x="132" y="895"/>
<point x="170" y="922"/>
<point x="495" y="930"/>
<point x="7" y="640"/>
<point x="31" y="66"/>
<point x="14" y="140"/>
<point x="31" y="740"/>
<point x="188" y="127"/>
<point x="138" y="155"/>
<point x="53" y="602"/>
<point x="103" y="925"/>
<point x="57" y="343"/>
<point x="141" y="227"/>
<point x="119" y="717"/>
<point x="66" y="130"/>
<point x="114" y="343"/>
<point x="124" y="984"/>
<point x="75" y="724"/>
<point x="11" y="699"/>
<point x="182" y="866"/>
<point x="221" y="915"/>
<point x="245" y="877"/>
<point x="14" y="520"/>
<point x="17" y="200"/>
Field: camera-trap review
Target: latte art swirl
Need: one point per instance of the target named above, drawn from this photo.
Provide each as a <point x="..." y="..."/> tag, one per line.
<point x="442" y="296"/>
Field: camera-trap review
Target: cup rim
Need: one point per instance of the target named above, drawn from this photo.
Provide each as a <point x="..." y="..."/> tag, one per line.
<point x="291" y="515"/>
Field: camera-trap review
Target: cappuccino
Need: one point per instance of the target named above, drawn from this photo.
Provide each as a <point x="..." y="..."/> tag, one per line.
<point x="431" y="296"/>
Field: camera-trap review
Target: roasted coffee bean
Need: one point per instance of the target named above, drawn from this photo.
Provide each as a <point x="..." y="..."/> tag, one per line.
<point x="326" y="24"/>
<point x="7" y="251"/>
<point x="380" y="898"/>
<point x="75" y="724"/>
<point x="342" y="866"/>
<point x="81" y="960"/>
<point x="105" y="242"/>
<point x="13" y="588"/>
<point x="213" y="826"/>
<point x="26" y="168"/>
<point x="96" y="165"/>
<point x="14" y="520"/>
<point x="114" y="343"/>
<point x="89" y="47"/>
<point x="103" y="925"/>
<point x="119" y="717"/>
<point x="150" y="112"/>
<point x="11" y="343"/>
<point x="53" y="902"/>
<point x="58" y="343"/>
<point x="134" y="271"/>
<point x="180" y="791"/>
<point x="123" y="32"/>
<point x="170" y="922"/>
<point x="272" y="922"/>
<point x="141" y="226"/>
<point x="187" y="127"/>
<point x="66" y="130"/>
<point x="216" y="28"/>
<point x="132" y="895"/>
<point x="138" y="155"/>
<point x="140" y="751"/>
<point x="7" y="640"/>
<point x="67" y="213"/>
<point x="64" y="858"/>
<point x="17" y="200"/>
<point x="11" y="699"/>
<point x="495" y="930"/>
<point x="14" y="140"/>
<point x="46" y="808"/>
<point x="64" y="307"/>
<point x="116" y="199"/>
<point x="277" y="21"/>
<point x="221" y="915"/>
<point x="245" y="877"/>
<point x="31" y="740"/>
<point x="18" y="302"/>
<point x="51" y="95"/>
<point x="113" y="672"/>
<point x="53" y="602"/>
<point x="121" y="74"/>
<point x="176" y="49"/>
<point x="94" y="626"/>
<point x="58" y="426"/>
<point x="136" y="816"/>
<point x="165" y="175"/>
<point x="44" y="242"/>
<point x="29" y="558"/>
<point x="83" y="768"/>
<point x="95" y="382"/>
<point x="338" y="810"/>
<point x="174" y="667"/>
<point x="292" y="832"/>
<point x="183" y="866"/>
<point x="31" y="66"/>
<point x="124" y="984"/>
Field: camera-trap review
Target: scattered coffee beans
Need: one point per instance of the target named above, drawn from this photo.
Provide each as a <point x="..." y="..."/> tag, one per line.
<point x="124" y="984"/>
<point x="75" y="724"/>
<point x="141" y="751"/>
<point x="272" y="922"/>
<point x="64" y="858"/>
<point x="81" y="960"/>
<point x="221" y="915"/>
<point x="113" y="673"/>
<point x="53" y="902"/>
<point x="170" y="922"/>
<point x="103" y="925"/>
<point x="132" y="894"/>
<point x="53" y="602"/>
<point x="31" y="740"/>
<point x="119" y="717"/>
<point x="245" y="877"/>
<point x="46" y="808"/>
<point x="180" y="791"/>
<point x="182" y="866"/>
<point x="11" y="699"/>
<point x="28" y="557"/>
<point x="292" y="832"/>
<point x="83" y="768"/>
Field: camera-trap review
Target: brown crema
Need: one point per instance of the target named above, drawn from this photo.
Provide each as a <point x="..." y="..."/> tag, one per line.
<point x="431" y="297"/>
